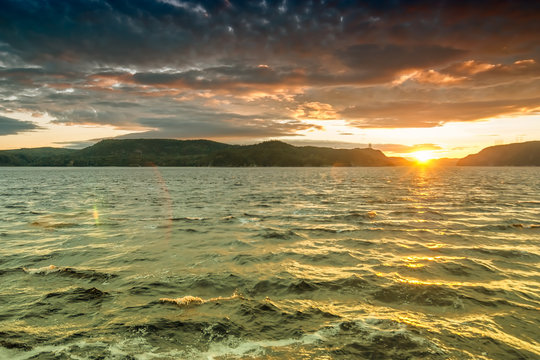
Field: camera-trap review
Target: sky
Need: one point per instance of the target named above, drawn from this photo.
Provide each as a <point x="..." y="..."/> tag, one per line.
<point x="450" y="77"/>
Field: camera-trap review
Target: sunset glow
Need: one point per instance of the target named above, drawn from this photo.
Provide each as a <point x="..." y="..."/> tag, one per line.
<point x="344" y="75"/>
<point x="280" y="179"/>
<point x="423" y="157"/>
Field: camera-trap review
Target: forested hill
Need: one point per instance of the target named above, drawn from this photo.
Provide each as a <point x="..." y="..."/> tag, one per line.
<point x="517" y="154"/>
<point x="165" y="152"/>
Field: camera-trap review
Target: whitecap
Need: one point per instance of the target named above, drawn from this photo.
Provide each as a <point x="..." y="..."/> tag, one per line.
<point x="190" y="300"/>
<point x="43" y="270"/>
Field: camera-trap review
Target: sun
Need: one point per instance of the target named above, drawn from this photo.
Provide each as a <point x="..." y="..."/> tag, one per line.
<point x="423" y="157"/>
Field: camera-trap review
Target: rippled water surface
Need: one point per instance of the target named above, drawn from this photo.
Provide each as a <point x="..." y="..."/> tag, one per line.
<point x="269" y="263"/>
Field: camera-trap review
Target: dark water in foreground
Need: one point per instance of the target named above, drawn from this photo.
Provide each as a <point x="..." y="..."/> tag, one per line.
<point x="269" y="263"/>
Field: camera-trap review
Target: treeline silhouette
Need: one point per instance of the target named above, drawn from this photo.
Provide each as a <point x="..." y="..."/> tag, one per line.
<point x="517" y="154"/>
<point x="165" y="152"/>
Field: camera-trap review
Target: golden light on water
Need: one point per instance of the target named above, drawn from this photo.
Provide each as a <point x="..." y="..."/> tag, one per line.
<point x="417" y="261"/>
<point x="382" y="243"/>
<point x="424" y="282"/>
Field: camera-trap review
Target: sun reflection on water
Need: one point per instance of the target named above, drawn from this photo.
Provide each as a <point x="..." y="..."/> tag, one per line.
<point x="377" y="264"/>
<point x="428" y="283"/>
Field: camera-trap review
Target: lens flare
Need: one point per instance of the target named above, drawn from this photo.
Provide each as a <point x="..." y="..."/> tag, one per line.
<point x="95" y="214"/>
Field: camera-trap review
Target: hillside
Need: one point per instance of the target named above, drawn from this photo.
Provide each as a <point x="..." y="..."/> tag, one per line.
<point x="277" y="153"/>
<point x="166" y="152"/>
<point x="148" y="152"/>
<point x="45" y="156"/>
<point x="518" y="154"/>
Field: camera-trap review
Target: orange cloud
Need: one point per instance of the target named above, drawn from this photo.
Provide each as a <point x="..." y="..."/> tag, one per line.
<point x="525" y="62"/>
<point x="429" y="114"/>
<point x="487" y="71"/>
<point x="400" y="148"/>
<point x="472" y="67"/>
<point x="316" y="111"/>
<point x="429" y="77"/>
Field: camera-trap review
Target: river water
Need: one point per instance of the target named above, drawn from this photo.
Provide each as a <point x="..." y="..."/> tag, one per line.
<point x="270" y="263"/>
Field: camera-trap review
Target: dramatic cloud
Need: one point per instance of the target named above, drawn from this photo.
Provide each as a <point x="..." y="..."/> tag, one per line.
<point x="315" y="110"/>
<point x="387" y="59"/>
<point x="10" y="126"/>
<point x="428" y="114"/>
<point x="241" y="69"/>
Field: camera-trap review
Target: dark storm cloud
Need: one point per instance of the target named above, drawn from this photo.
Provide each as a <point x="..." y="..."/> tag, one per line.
<point x="10" y="126"/>
<point x="91" y="116"/>
<point x="190" y="68"/>
<point x="381" y="59"/>
<point x="180" y="121"/>
<point x="142" y="32"/>
<point x="158" y="32"/>
<point x="234" y="78"/>
<point x="220" y="126"/>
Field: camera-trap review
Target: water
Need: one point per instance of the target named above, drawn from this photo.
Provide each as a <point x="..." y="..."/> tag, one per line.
<point x="269" y="263"/>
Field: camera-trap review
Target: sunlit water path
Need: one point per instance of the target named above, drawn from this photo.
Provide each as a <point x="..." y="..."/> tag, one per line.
<point x="269" y="263"/>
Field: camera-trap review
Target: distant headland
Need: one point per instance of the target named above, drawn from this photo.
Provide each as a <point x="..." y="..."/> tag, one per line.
<point x="168" y="152"/>
<point x="518" y="154"/>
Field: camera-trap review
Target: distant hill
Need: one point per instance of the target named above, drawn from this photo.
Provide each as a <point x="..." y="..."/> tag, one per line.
<point x="45" y="156"/>
<point x="166" y="152"/>
<point x="444" y="162"/>
<point x="518" y="154"/>
<point x="148" y="152"/>
<point x="400" y="161"/>
<point x="277" y="153"/>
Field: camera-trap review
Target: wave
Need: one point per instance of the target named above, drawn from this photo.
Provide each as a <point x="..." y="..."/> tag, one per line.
<point x="279" y="234"/>
<point x="79" y="294"/>
<point x="468" y="268"/>
<point x="269" y="331"/>
<point x="294" y="286"/>
<point x="510" y="227"/>
<point x="331" y="229"/>
<point x="244" y="259"/>
<point x="356" y="215"/>
<point x="195" y="300"/>
<point x="266" y="287"/>
<point x="379" y="271"/>
<point x="352" y="283"/>
<point x="329" y="258"/>
<point x="91" y="275"/>
<point x="508" y="253"/>
<point x="370" y="338"/>
<point x="189" y="219"/>
<point x="54" y="225"/>
<point x="496" y="297"/>
<point x="376" y="338"/>
<point x="448" y="268"/>
<point x="419" y="294"/>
